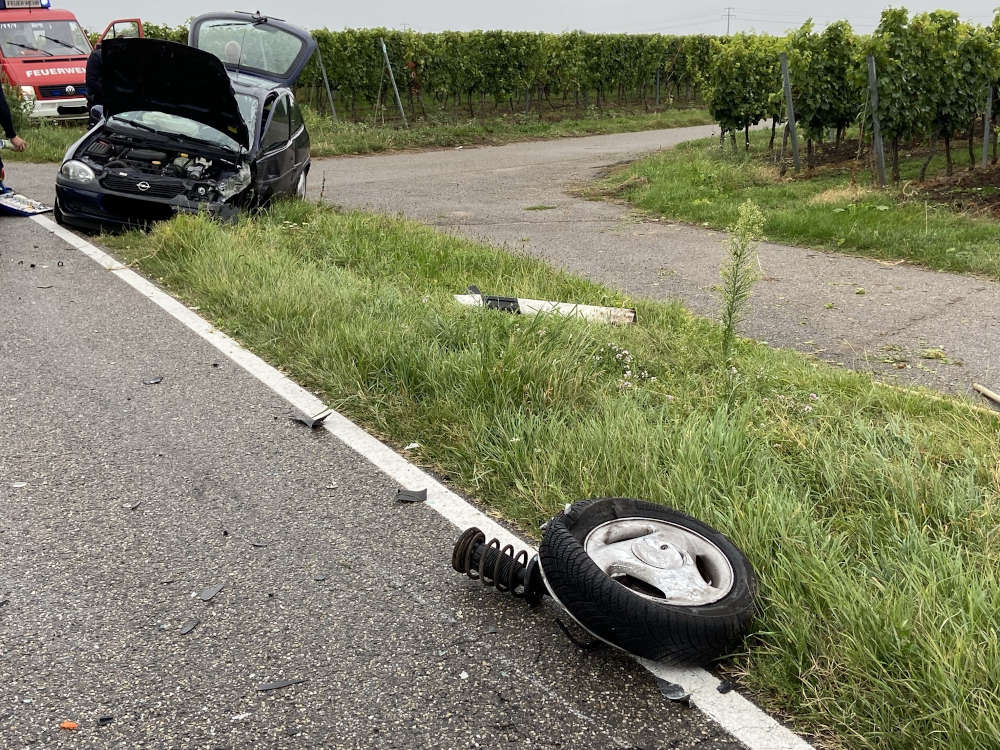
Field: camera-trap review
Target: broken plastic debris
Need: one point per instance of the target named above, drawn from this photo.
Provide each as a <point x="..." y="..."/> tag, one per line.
<point x="523" y="306"/>
<point x="673" y="691"/>
<point x="103" y="721"/>
<point x="153" y="381"/>
<point x="70" y="725"/>
<point x="259" y="545"/>
<point x="210" y="591"/>
<point x="411" y="496"/>
<point x="725" y="686"/>
<point x="278" y="685"/>
<point x="241" y="717"/>
<point x="411" y="446"/>
<point x="464" y="675"/>
<point x="19" y="485"/>
<point x="189" y="626"/>
<point x="315" y="421"/>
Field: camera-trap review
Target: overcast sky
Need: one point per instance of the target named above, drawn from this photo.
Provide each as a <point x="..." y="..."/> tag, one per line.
<point x="672" y="17"/>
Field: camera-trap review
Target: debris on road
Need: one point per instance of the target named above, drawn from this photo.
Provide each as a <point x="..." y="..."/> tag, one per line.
<point x="103" y="721"/>
<point x="241" y="717"/>
<point x="649" y="574"/>
<point x="210" y="591"/>
<point x="981" y="389"/>
<point x="278" y="685"/>
<point x="19" y="485"/>
<point x="314" y="422"/>
<point x="524" y="306"/>
<point x="674" y="692"/>
<point x="70" y="725"/>
<point x="259" y="545"/>
<point x="189" y="626"/>
<point x="153" y="381"/>
<point x="411" y="496"/>
<point x="411" y="446"/>
<point x="725" y="686"/>
<point x="132" y="506"/>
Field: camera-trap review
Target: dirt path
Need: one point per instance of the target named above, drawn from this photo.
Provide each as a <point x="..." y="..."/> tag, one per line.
<point x="517" y="196"/>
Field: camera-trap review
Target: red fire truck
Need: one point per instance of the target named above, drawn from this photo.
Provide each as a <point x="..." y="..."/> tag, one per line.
<point x="43" y="55"/>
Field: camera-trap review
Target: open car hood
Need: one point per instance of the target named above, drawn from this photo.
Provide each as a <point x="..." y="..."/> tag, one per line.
<point x="154" y="75"/>
<point x="254" y="44"/>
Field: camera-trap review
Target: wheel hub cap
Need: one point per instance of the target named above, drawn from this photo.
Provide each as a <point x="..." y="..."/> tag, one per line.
<point x="661" y="561"/>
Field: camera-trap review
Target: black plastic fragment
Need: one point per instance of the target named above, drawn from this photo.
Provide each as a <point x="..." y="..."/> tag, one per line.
<point x="47" y="286"/>
<point x="134" y="505"/>
<point x="411" y="496"/>
<point x="725" y="686"/>
<point x="153" y="381"/>
<point x="674" y="692"/>
<point x="314" y="422"/>
<point x="60" y="264"/>
<point x="259" y="545"/>
<point x="103" y="721"/>
<point x="278" y="685"/>
<point x="584" y="645"/>
<point x="189" y="626"/>
<point x="210" y="591"/>
<point x="495" y="302"/>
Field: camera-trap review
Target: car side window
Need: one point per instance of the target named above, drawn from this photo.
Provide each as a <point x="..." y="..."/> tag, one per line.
<point x="278" y="130"/>
<point x="297" y="121"/>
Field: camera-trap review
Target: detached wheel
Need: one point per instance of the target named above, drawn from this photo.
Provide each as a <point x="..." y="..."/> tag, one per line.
<point x="648" y="579"/>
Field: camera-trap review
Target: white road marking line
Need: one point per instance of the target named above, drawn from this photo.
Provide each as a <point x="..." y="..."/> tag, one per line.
<point x="734" y="713"/>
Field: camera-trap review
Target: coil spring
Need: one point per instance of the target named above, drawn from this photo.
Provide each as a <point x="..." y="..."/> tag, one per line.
<point x="497" y="565"/>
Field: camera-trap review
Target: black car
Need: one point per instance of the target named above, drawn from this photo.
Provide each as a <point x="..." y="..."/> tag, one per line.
<point x="211" y="126"/>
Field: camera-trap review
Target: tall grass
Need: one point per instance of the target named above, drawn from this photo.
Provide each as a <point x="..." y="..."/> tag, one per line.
<point x="870" y="514"/>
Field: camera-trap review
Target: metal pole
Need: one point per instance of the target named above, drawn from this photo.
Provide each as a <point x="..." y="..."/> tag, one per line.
<point x="326" y="82"/>
<point x="790" y="110"/>
<point x="876" y="128"/>
<point x="388" y="66"/>
<point x="987" y="117"/>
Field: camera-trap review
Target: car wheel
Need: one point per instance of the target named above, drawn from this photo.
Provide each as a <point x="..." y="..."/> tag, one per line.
<point x="648" y="579"/>
<point x="300" y="189"/>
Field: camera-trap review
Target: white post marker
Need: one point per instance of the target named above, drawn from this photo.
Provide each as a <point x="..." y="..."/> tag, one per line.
<point x="524" y="306"/>
<point x="734" y="713"/>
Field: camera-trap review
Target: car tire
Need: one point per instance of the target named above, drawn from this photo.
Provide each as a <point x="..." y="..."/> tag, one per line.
<point x="692" y="625"/>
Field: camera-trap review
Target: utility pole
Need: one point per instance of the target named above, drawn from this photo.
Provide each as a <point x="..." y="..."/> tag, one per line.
<point x="728" y="15"/>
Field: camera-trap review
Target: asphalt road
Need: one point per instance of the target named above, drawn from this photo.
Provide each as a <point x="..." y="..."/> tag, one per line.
<point x="121" y="502"/>
<point x="807" y="300"/>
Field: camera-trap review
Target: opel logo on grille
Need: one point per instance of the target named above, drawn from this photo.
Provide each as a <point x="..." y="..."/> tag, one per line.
<point x="143" y="186"/>
<point x="70" y="90"/>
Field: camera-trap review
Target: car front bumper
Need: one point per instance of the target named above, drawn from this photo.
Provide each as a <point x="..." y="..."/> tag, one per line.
<point x="103" y="209"/>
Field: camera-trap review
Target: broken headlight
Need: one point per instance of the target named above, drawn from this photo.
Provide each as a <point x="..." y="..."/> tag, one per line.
<point x="77" y="171"/>
<point x="234" y="184"/>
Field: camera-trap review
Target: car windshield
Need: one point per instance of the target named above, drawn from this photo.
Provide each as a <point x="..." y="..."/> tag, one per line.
<point x="182" y="126"/>
<point x="42" y="39"/>
<point x="249" y="46"/>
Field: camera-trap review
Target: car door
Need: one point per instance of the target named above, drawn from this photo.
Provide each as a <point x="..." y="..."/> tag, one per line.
<point x="300" y="139"/>
<point x="276" y="164"/>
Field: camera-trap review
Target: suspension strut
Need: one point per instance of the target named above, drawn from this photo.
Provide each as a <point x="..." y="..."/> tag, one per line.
<point x="497" y="565"/>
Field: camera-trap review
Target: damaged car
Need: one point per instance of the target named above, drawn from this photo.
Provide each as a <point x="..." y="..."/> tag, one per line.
<point x="211" y="126"/>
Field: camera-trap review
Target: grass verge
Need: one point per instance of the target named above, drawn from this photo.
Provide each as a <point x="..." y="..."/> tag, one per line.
<point x="870" y="513"/>
<point x="696" y="182"/>
<point x="332" y="139"/>
<point x="48" y="142"/>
